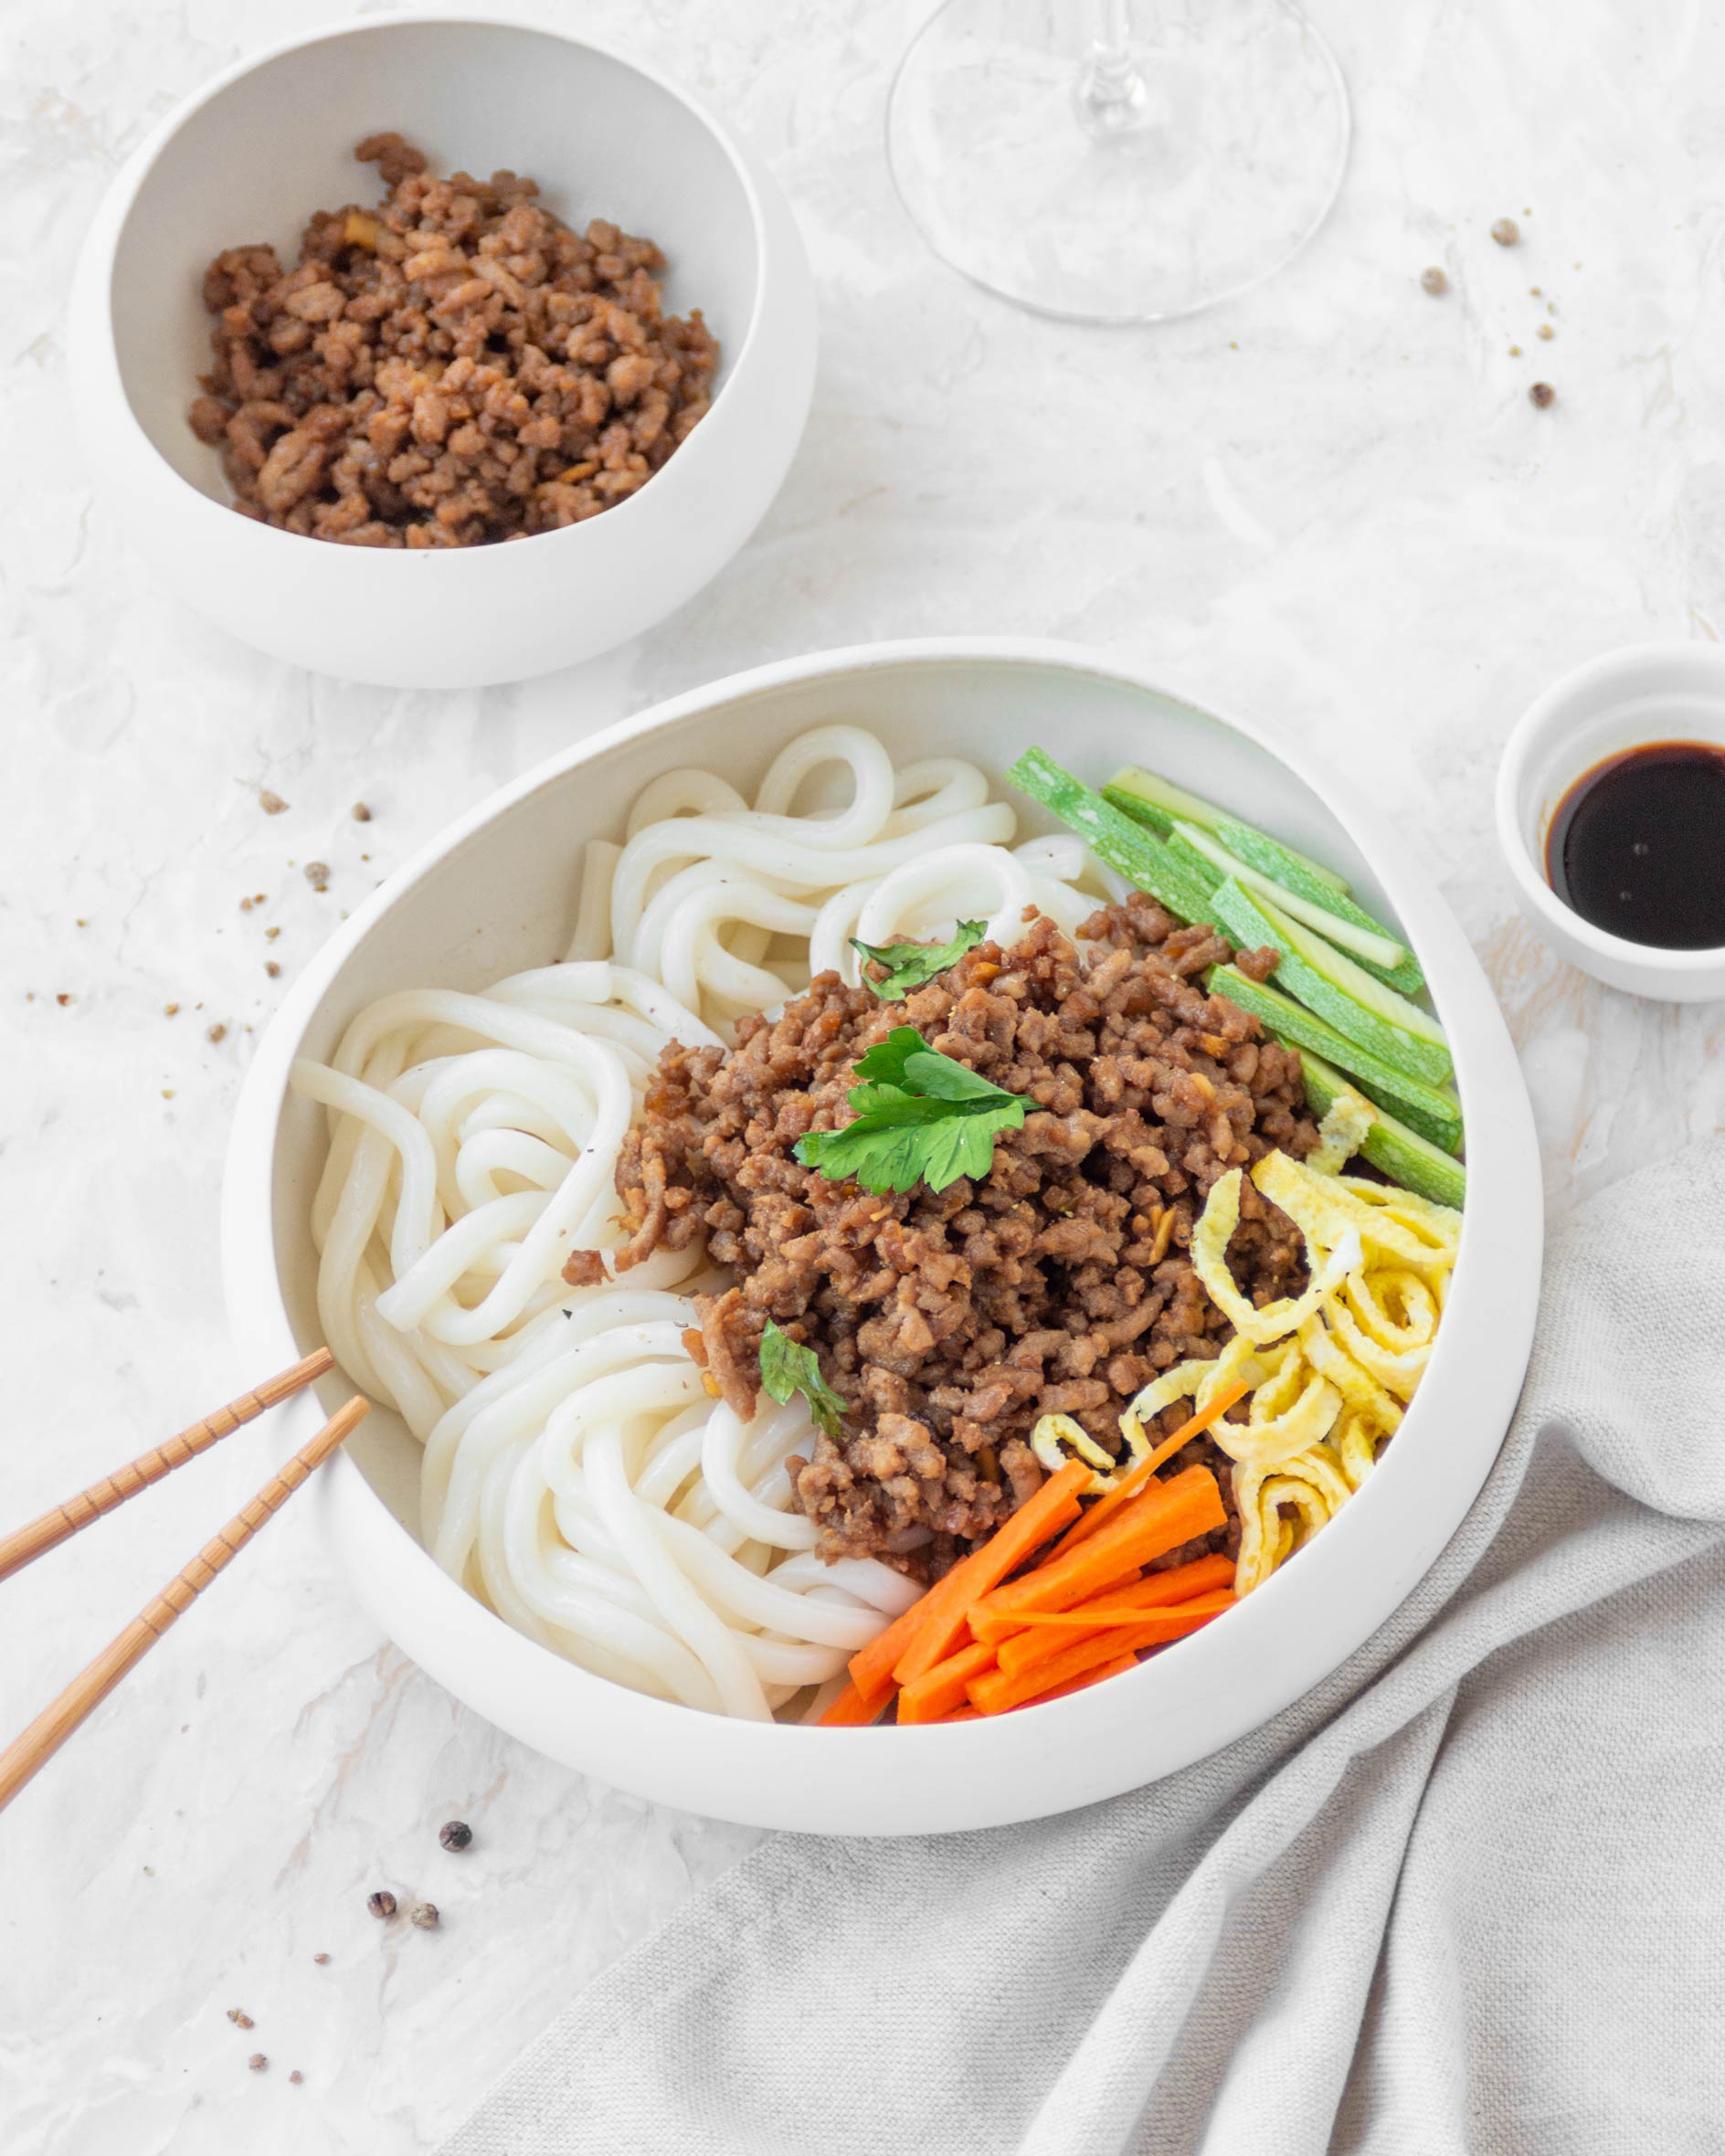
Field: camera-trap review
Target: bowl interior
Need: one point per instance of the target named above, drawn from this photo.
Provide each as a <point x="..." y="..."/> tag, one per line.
<point x="255" y="157"/>
<point x="502" y="898"/>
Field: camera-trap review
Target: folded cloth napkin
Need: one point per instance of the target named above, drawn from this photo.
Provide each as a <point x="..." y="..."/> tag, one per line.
<point x="1467" y="1895"/>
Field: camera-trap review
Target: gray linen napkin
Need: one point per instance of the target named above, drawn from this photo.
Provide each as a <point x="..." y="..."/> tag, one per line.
<point x="1467" y="1895"/>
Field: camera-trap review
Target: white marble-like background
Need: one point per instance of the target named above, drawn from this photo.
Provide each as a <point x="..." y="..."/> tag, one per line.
<point x="1330" y="502"/>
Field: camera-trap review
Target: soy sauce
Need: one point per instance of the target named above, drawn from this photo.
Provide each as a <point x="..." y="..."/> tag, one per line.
<point x="1637" y="846"/>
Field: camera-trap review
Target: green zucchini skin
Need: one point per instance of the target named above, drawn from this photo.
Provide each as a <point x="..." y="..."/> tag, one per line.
<point x="1433" y="1115"/>
<point x="1158" y="802"/>
<point x="1326" y="981"/>
<point x="1392" y="1147"/>
<point x="1113" y="837"/>
<point x="1289" y="870"/>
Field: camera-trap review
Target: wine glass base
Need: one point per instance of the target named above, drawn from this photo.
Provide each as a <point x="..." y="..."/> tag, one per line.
<point x="1216" y="170"/>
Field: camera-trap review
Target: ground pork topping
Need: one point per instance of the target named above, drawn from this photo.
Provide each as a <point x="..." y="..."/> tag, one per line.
<point x="453" y="367"/>
<point x="952" y="1320"/>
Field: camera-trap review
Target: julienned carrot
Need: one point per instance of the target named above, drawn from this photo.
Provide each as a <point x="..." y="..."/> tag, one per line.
<point x="936" y="1692"/>
<point x="1159" y="1519"/>
<point x="850" y="1710"/>
<point x="1042" y="1632"/>
<point x="1116" y="1668"/>
<point x="996" y="1690"/>
<point x="1035" y="1646"/>
<point x="927" y="1631"/>
<point x="1129" y="1486"/>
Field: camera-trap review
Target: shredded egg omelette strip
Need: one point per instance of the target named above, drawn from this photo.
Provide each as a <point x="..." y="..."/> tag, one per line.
<point x="1330" y="1371"/>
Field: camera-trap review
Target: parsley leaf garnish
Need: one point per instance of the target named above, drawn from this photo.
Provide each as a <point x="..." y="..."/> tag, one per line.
<point x="788" y="1368"/>
<point x="911" y="965"/>
<point x="920" y="1118"/>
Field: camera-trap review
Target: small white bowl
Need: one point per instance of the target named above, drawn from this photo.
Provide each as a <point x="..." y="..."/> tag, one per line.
<point x="1642" y="693"/>
<point x="252" y="155"/>
<point x="496" y="893"/>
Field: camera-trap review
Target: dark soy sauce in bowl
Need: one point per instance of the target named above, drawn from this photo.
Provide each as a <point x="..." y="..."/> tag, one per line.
<point x="1637" y="846"/>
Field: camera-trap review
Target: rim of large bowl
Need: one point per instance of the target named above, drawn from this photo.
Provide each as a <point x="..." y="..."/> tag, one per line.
<point x="117" y="205"/>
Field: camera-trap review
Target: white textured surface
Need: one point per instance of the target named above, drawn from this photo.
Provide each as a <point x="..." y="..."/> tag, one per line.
<point x="1332" y="503"/>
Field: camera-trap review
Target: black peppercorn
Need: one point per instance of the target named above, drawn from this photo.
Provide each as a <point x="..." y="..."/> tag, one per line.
<point x="455" y="1834"/>
<point x="382" y="1903"/>
<point x="1542" y="394"/>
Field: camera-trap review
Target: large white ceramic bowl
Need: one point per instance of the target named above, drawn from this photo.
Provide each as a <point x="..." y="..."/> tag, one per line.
<point x="252" y="155"/>
<point x="497" y="893"/>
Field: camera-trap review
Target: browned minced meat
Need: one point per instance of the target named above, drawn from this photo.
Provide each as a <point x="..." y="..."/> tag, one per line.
<point x="453" y="367"/>
<point x="952" y="1320"/>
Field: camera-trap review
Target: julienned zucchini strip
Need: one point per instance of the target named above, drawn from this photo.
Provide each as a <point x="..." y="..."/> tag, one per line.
<point x="1124" y="846"/>
<point x="1424" y="1108"/>
<point x="1158" y="802"/>
<point x="1329" y="982"/>
<point x="1325" y="980"/>
<point x="1392" y="1147"/>
<point x="1365" y="939"/>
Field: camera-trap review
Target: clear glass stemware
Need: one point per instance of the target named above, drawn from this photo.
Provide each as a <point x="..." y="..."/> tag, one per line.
<point x="1162" y="156"/>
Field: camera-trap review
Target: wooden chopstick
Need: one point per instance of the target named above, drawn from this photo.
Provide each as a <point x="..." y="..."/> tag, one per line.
<point x="18" y="1549"/>
<point x="56" y="1723"/>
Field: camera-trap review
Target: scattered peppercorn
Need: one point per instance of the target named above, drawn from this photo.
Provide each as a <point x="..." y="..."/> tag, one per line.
<point x="296" y="2076"/>
<point x="1547" y="331"/>
<point x="1542" y="394"/>
<point x="170" y="1010"/>
<point x="240" y="2017"/>
<point x="245" y="905"/>
<point x="1433" y="280"/>
<point x="216" y="1032"/>
<point x="424" y="1915"/>
<point x="322" y="1959"/>
<point x="62" y="999"/>
<point x="271" y="968"/>
<point x="257" y="2062"/>
<point x="455" y="1834"/>
<point x="382" y="1903"/>
<point x="270" y="935"/>
<point x="272" y="804"/>
<point x="317" y="875"/>
<point x="1506" y="232"/>
<point x="361" y="813"/>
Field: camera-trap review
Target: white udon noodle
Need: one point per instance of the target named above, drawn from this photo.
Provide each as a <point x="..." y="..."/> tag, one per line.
<point x="577" y="1476"/>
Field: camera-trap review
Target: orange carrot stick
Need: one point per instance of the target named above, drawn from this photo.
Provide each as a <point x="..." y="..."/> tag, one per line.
<point x="1116" y="1668"/>
<point x="996" y="1690"/>
<point x="1129" y="1486"/>
<point x="1158" y="1519"/>
<point x="1046" y="1632"/>
<point x="850" y="1710"/>
<point x="928" y="1630"/>
<point x="1044" y="1640"/>
<point x="929" y="1698"/>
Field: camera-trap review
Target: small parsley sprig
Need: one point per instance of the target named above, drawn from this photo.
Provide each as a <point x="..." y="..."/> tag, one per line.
<point x="788" y="1368"/>
<point x="921" y="1117"/>
<point x="913" y="964"/>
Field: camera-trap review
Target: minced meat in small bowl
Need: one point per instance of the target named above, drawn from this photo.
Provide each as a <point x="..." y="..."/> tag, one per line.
<point x="603" y="342"/>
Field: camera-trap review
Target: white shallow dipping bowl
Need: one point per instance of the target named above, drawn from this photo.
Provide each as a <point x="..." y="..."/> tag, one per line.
<point x="496" y="893"/>
<point x="250" y="156"/>
<point x="1622" y="700"/>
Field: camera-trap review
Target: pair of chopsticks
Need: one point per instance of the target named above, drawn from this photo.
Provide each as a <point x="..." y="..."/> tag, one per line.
<point x="56" y="1723"/>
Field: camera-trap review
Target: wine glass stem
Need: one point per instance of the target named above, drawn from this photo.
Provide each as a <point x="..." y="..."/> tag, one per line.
<point x="1109" y="93"/>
